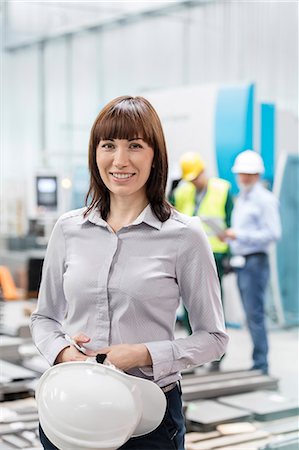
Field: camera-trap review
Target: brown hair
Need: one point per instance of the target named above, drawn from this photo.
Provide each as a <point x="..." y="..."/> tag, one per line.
<point x="125" y="118"/>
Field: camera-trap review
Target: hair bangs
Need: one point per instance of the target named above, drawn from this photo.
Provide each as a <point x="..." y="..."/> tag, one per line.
<point x="124" y="123"/>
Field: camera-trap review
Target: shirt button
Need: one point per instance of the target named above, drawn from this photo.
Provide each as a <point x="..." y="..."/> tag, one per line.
<point x="188" y="366"/>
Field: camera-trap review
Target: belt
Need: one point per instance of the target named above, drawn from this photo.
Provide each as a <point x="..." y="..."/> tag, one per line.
<point x="169" y="387"/>
<point x="255" y="254"/>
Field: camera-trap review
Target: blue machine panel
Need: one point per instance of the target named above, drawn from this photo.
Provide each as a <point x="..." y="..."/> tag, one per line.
<point x="288" y="245"/>
<point x="268" y="141"/>
<point x="233" y="127"/>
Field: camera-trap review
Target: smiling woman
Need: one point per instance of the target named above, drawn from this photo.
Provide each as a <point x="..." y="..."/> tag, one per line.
<point x="116" y="270"/>
<point x="134" y="120"/>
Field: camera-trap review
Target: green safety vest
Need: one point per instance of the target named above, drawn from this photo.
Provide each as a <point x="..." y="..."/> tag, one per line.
<point x="212" y="206"/>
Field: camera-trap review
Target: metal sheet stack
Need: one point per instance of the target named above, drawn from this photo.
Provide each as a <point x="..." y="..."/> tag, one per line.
<point x="238" y="410"/>
<point x="19" y="425"/>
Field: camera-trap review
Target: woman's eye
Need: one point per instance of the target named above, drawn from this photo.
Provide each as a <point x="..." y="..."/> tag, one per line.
<point x="135" y="146"/>
<point x="107" y="146"/>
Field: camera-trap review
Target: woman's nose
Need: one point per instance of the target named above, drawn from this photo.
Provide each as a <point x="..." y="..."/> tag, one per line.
<point x="121" y="158"/>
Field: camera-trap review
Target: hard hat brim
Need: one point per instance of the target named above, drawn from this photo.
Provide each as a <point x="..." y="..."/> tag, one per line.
<point x="191" y="176"/>
<point x="246" y="170"/>
<point x="154" y="406"/>
<point x="153" y="402"/>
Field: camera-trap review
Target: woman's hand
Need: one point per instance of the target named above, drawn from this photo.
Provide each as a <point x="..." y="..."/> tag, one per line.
<point x="229" y="233"/>
<point x="126" y="356"/>
<point x="71" y="353"/>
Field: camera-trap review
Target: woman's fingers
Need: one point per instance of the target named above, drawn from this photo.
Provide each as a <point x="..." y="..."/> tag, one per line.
<point x="81" y="338"/>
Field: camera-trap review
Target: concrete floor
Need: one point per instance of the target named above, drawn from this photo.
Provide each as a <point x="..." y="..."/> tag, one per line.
<point x="283" y="343"/>
<point x="283" y="356"/>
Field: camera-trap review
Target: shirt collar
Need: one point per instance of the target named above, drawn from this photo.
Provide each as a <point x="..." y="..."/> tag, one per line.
<point x="146" y="216"/>
<point x="93" y="216"/>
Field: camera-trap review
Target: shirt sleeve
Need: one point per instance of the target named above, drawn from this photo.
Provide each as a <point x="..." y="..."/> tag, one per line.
<point x="46" y="320"/>
<point x="200" y="291"/>
<point x="268" y="229"/>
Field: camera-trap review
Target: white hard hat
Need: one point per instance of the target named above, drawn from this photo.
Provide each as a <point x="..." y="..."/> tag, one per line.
<point x="248" y="162"/>
<point x="84" y="405"/>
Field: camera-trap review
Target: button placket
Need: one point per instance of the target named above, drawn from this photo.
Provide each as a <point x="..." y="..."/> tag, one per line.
<point x="103" y="305"/>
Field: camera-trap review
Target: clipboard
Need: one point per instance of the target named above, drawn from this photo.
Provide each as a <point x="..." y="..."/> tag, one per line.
<point x="213" y="224"/>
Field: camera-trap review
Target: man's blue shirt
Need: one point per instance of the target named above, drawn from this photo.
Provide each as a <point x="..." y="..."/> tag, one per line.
<point x="256" y="221"/>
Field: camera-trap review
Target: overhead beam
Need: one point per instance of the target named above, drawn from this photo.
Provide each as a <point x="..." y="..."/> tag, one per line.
<point x="120" y="20"/>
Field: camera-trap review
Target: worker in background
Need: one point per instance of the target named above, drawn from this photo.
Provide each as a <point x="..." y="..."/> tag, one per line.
<point x="255" y="225"/>
<point x="114" y="271"/>
<point x="209" y="198"/>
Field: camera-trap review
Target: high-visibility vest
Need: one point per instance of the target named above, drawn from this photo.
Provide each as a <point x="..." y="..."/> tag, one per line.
<point x="212" y="206"/>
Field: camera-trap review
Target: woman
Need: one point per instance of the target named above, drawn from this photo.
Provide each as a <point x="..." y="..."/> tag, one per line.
<point x="115" y="270"/>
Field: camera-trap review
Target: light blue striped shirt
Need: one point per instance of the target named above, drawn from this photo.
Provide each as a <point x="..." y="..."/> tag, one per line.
<point x="256" y="221"/>
<point x="125" y="287"/>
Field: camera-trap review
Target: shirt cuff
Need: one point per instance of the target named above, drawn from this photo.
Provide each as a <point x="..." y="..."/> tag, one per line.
<point x="56" y="347"/>
<point x="241" y="235"/>
<point x="159" y="351"/>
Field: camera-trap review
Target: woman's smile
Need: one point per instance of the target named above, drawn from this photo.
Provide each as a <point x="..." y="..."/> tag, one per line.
<point x="122" y="176"/>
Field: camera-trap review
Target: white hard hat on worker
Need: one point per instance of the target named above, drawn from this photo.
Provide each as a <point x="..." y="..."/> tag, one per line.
<point x="84" y="405"/>
<point x="248" y="162"/>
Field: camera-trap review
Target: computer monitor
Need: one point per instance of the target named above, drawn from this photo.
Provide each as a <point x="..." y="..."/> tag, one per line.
<point x="46" y="191"/>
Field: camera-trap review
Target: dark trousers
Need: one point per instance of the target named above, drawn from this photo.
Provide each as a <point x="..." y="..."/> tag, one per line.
<point x="252" y="282"/>
<point x="168" y="436"/>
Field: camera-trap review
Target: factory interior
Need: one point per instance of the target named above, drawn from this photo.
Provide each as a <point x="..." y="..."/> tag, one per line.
<point x="223" y="78"/>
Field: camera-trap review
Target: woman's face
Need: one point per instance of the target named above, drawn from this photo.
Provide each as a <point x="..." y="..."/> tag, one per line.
<point x="125" y="165"/>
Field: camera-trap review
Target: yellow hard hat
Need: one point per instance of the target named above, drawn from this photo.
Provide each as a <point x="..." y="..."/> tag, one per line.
<point x="192" y="165"/>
